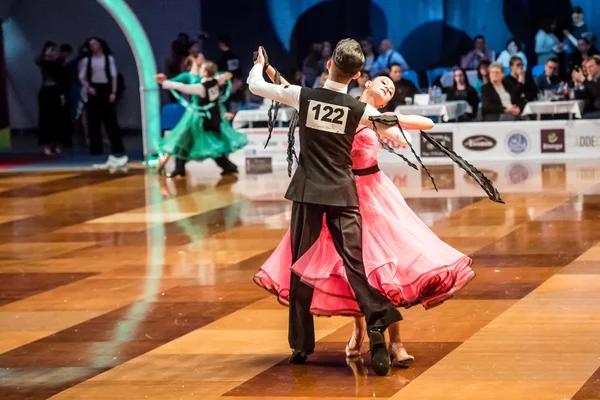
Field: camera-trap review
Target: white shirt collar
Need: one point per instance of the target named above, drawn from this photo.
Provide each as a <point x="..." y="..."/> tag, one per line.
<point x="335" y="86"/>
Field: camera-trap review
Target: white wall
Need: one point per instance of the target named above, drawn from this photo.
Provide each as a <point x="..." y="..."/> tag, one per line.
<point x="30" y="23"/>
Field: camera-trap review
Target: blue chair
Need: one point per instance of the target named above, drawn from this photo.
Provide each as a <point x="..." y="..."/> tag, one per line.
<point x="433" y="74"/>
<point x="537" y="71"/>
<point x="170" y="115"/>
<point x="506" y="71"/>
<point x="411" y="76"/>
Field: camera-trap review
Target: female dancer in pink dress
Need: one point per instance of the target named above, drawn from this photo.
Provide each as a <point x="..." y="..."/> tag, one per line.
<point x="403" y="258"/>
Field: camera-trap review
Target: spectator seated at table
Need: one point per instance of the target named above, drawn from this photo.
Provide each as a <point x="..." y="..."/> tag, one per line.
<point x="519" y="83"/>
<point x="404" y="88"/>
<point x="549" y="80"/>
<point x="497" y="102"/>
<point x="387" y="57"/>
<point x="483" y="76"/>
<point x="480" y="53"/>
<point x="588" y="89"/>
<point x="462" y="90"/>
<point x="513" y="48"/>
<point x="322" y="79"/>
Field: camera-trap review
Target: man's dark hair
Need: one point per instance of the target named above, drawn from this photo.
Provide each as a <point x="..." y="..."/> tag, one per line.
<point x="554" y="60"/>
<point x="225" y="39"/>
<point x="347" y="58"/>
<point x="478" y="37"/>
<point x="595" y="58"/>
<point x="392" y="65"/>
<point x="577" y="10"/>
<point x="66" y="48"/>
<point x="514" y="60"/>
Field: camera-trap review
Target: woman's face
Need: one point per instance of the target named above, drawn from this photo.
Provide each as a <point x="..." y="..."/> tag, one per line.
<point x="512" y="48"/>
<point x="381" y="89"/>
<point x="459" y="77"/>
<point x="496" y="75"/>
<point x="95" y="46"/>
<point x="484" y="70"/>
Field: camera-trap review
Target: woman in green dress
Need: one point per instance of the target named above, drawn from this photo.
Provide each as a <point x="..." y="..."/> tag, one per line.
<point x="202" y="132"/>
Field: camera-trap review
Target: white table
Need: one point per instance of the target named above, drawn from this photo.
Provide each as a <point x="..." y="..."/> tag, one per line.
<point x="448" y="110"/>
<point x="572" y="107"/>
<point x="448" y="78"/>
<point x="248" y="117"/>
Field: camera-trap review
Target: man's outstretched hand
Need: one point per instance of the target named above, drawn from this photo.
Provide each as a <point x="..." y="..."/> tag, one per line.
<point x="260" y="56"/>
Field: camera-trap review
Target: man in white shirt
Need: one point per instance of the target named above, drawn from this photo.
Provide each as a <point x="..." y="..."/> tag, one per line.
<point x="323" y="184"/>
<point x="387" y="57"/>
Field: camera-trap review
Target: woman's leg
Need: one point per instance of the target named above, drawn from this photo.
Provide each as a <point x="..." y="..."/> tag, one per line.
<point x="398" y="355"/>
<point x="356" y="341"/>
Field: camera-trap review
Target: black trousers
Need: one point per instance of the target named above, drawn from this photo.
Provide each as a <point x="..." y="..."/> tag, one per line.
<point x="223" y="162"/>
<point x="100" y="109"/>
<point x="50" y="126"/>
<point x="345" y="226"/>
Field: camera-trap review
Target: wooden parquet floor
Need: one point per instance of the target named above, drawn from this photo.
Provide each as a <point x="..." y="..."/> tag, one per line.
<point x="126" y="286"/>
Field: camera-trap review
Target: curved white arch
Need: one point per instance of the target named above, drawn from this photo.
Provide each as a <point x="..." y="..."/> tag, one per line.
<point x="146" y="66"/>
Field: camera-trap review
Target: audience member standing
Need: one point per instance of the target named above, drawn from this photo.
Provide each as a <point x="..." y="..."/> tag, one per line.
<point x="480" y="53"/>
<point x="51" y="99"/>
<point x="387" y="57"/>
<point x="98" y="75"/>
<point x="367" y="48"/>
<point x="228" y="62"/>
<point x="547" y="45"/>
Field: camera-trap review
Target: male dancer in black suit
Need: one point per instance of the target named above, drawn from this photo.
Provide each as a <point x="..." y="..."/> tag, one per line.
<point x="324" y="184"/>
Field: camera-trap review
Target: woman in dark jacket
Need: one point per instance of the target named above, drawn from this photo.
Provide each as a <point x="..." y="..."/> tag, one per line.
<point x="462" y="90"/>
<point x="51" y="99"/>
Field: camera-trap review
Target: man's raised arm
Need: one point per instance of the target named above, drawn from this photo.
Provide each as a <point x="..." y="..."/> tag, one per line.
<point x="286" y="94"/>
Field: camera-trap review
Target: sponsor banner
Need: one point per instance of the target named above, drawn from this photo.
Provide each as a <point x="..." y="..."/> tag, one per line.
<point x="481" y="141"/>
<point x="444" y="138"/>
<point x="553" y="140"/>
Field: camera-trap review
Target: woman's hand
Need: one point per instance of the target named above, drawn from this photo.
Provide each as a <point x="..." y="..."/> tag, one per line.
<point x="112" y="98"/>
<point x="160" y="78"/>
<point x="91" y="91"/>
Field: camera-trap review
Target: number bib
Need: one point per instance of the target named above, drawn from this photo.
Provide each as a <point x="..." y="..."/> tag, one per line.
<point x="327" y="117"/>
<point x="213" y="93"/>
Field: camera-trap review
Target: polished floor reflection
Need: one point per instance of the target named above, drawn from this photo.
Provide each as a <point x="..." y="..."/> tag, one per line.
<point x="125" y="285"/>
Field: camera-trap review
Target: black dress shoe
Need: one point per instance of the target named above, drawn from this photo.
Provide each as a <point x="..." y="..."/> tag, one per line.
<point x="300" y="356"/>
<point x="380" y="360"/>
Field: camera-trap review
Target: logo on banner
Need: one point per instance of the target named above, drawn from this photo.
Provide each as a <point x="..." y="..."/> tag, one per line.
<point x="443" y="175"/>
<point x="517" y="143"/>
<point x="553" y="140"/>
<point x="428" y="150"/>
<point x="479" y="143"/>
<point x="588" y="141"/>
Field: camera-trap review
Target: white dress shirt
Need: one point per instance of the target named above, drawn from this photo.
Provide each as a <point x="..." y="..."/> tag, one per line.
<point x="98" y="69"/>
<point x="290" y="95"/>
